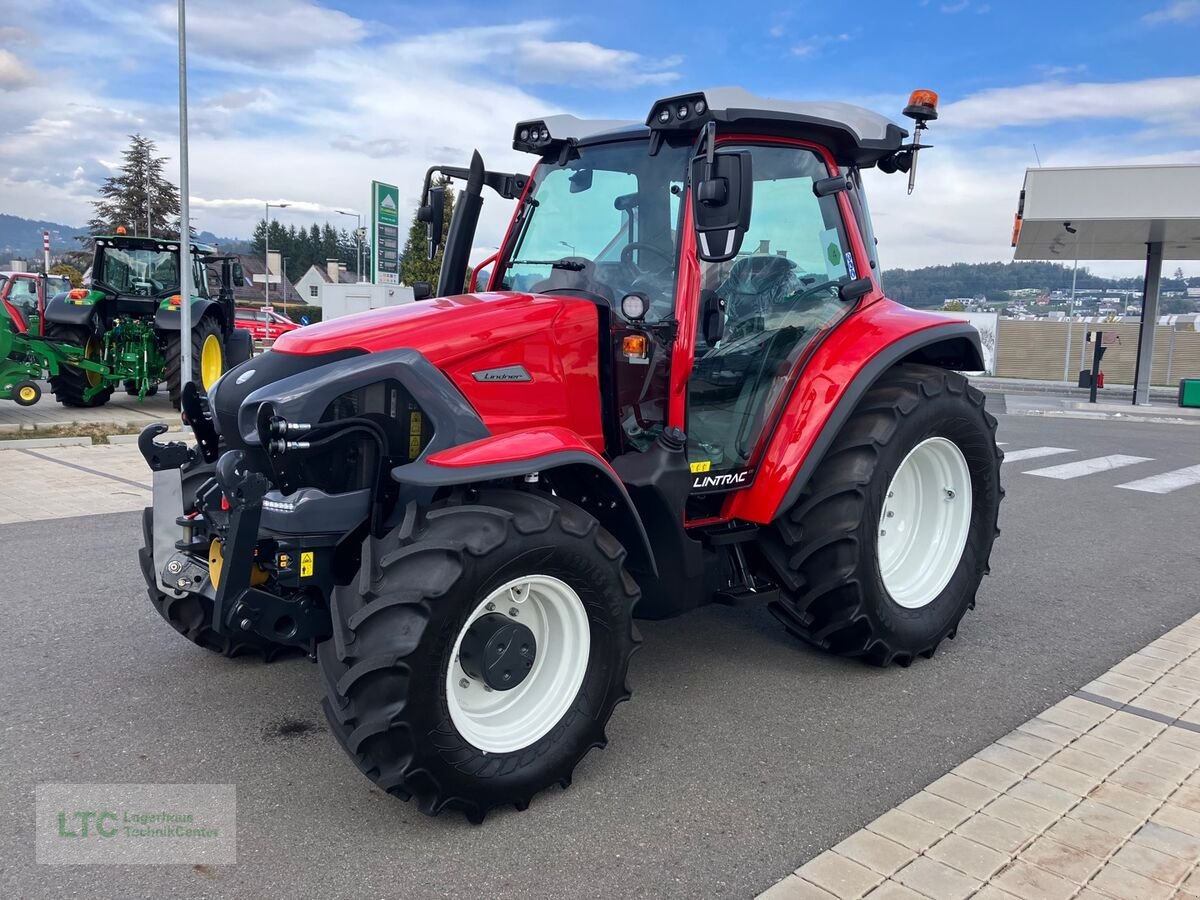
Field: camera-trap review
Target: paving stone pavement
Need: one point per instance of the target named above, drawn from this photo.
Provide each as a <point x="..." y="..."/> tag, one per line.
<point x="59" y="482"/>
<point x="1097" y="798"/>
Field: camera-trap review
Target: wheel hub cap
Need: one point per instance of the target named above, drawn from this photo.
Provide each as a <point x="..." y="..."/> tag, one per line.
<point x="535" y="629"/>
<point x="924" y="523"/>
<point x="498" y="650"/>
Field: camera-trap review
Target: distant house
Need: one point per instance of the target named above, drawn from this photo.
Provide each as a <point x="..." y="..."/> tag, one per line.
<point x="310" y="285"/>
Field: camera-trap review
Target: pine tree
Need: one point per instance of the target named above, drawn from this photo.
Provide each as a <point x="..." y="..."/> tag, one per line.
<point x="137" y="191"/>
<point x="415" y="264"/>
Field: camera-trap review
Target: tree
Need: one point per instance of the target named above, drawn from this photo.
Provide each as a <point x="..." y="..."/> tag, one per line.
<point x="137" y="192"/>
<point x="72" y="273"/>
<point x="415" y="264"/>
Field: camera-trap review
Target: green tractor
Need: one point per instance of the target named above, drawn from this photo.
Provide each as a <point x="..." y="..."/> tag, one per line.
<point x="128" y="321"/>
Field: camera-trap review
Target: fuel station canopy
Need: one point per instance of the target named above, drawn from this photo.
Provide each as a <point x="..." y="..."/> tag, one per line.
<point x="1113" y="212"/>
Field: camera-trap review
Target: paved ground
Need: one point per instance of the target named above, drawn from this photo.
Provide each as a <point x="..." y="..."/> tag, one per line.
<point x="742" y="756"/>
<point x="1097" y="797"/>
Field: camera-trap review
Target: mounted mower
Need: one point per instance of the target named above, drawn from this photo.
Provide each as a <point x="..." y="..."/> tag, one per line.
<point x="683" y="384"/>
<point x="127" y="323"/>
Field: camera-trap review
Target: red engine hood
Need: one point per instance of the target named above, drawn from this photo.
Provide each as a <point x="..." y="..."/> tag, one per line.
<point x="554" y="339"/>
<point x="443" y="329"/>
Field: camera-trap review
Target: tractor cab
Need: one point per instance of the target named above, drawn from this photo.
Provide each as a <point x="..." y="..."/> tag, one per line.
<point x="142" y="273"/>
<point x="722" y="239"/>
<point x="24" y="295"/>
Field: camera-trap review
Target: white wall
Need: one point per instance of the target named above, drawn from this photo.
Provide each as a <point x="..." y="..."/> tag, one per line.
<point x="346" y="299"/>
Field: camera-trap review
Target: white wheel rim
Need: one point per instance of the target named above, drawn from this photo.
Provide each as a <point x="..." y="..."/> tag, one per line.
<point x="925" y="521"/>
<point x="505" y="721"/>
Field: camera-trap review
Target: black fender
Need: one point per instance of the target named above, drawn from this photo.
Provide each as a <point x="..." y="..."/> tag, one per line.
<point x="59" y="311"/>
<point x="577" y="475"/>
<point x="953" y="346"/>
<point x="169" y="319"/>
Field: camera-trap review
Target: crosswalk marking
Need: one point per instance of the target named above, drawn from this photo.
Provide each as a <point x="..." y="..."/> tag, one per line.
<point x="1166" y="482"/>
<point x="1089" y="466"/>
<point x="1034" y="453"/>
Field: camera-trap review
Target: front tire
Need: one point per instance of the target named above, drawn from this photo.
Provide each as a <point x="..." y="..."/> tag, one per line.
<point x="416" y="693"/>
<point x="884" y="551"/>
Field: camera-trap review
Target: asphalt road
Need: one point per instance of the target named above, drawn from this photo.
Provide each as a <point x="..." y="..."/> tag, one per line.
<point x="742" y="754"/>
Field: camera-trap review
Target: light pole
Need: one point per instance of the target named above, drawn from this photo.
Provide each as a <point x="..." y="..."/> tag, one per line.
<point x="283" y="282"/>
<point x="267" y="249"/>
<point x="185" y="219"/>
<point x="571" y="247"/>
<point x="358" y="254"/>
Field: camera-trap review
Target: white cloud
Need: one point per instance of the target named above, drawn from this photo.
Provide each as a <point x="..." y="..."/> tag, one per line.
<point x="581" y="62"/>
<point x="1153" y="100"/>
<point x="813" y="45"/>
<point x="1179" y="11"/>
<point x="265" y="30"/>
<point x="13" y="73"/>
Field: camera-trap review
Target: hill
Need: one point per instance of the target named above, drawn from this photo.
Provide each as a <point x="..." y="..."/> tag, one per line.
<point x="934" y="284"/>
<point x="23" y="237"/>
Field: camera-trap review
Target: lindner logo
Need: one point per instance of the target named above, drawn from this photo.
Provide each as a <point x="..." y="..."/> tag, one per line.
<point x="503" y="373"/>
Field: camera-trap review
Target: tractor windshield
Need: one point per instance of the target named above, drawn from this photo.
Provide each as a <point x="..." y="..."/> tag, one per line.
<point x="605" y="222"/>
<point x="139" y="272"/>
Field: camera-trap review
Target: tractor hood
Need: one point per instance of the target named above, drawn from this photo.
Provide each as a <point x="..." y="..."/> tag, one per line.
<point x="444" y="329"/>
<point x="521" y="360"/>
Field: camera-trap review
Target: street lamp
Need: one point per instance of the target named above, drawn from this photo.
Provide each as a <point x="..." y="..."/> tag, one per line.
<point x="570" y="246"/>
<point x="267" y="252"/>
<point x="358" y="247"/>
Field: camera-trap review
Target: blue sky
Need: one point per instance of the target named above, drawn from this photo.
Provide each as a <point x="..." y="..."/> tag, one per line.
<point x="307" y="102"/>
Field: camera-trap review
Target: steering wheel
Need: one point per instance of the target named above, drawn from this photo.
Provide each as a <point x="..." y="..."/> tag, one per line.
<point x="627" y="257"/>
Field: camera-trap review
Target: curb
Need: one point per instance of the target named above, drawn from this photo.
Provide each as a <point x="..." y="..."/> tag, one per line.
<point x="30" y="443"/>
<point x="1102" y="416"/>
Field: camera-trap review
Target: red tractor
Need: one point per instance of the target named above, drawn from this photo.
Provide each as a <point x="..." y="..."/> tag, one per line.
<point x="683" y="385"/>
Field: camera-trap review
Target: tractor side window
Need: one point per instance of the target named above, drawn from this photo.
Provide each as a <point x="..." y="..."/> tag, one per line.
<point x="779" y="294"/>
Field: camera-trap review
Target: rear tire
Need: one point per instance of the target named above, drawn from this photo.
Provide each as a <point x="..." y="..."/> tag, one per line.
<point x="192" y="615"/>
<point x="206" y="328"/>
<point x="840" y="590"/>
<point x="393" y="671"/>
<point x="71" y="384"/>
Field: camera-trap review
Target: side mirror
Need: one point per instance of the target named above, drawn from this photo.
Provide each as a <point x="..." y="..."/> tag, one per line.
<point x="433" y="214"/>
<point x="422" y="290"/>
<point x="721" y="198"/>
<point x="236" y="275"/>
<point x="712" y="312"/>
<point x="852" y="290"/>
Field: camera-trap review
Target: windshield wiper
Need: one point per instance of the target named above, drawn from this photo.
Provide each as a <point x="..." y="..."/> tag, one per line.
<point x="569" y="264"/>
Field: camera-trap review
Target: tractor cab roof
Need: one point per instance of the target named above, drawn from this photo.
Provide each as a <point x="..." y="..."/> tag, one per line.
<point x="856" y="136"/>
<point x="136" y="242"/>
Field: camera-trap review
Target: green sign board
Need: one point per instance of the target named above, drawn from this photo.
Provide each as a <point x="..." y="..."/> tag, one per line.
<point x="385" y="233"/>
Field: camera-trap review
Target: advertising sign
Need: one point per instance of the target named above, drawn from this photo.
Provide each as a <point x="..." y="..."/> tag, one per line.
<point x="385" y="233"/>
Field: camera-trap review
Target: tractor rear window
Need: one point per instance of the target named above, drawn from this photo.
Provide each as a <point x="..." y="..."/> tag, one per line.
<point x="140" y="272"/>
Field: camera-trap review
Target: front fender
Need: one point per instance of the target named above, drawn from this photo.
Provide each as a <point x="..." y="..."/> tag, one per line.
<point x="843" y="368"/>
<point x="168" y="319"/>
<point x="578" y="472"/>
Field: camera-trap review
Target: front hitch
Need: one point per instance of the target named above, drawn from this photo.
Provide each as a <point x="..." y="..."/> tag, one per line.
<point x="243" y="490"/>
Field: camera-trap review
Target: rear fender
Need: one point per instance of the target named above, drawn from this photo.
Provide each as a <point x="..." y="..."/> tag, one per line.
<point x="844" y="367"/>
<point x="63" y="311"/>
<point x="168" y="319"/>
<point x="577" y="472"/>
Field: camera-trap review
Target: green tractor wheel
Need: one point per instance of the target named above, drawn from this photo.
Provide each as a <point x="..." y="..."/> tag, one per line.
<point x="71" y="386"/>
<point x="26" y="393"/>
<point x="208" y="358"/>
